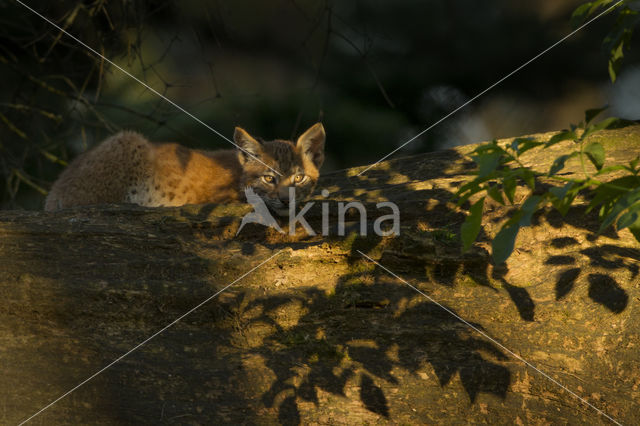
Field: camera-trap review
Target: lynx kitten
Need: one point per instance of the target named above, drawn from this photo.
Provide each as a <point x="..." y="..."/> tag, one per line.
<point x="126" y="168"/>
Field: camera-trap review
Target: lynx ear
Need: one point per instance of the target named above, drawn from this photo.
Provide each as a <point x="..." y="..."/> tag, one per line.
<point x="311" y="144"/>
<point x="249" y="148"/>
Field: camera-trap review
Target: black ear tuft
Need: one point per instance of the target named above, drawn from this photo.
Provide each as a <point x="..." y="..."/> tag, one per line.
<point x="311" y="143"/>
<point x="248" y="147"/>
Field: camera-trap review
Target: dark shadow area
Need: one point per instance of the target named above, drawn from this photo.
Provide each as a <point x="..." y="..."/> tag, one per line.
<point x="605" y="290"/>
<point x="566" y="281"/>
<point x="372" y="396"/>
<point x="522" y="300"/>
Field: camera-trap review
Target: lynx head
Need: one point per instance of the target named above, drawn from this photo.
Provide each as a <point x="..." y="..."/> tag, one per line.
<point x="298" y="164"/>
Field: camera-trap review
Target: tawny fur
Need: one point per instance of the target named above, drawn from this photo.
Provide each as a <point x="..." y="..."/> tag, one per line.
<point x="127" y="168"/>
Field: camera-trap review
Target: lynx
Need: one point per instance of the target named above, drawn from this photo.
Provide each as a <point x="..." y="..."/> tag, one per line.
<point x="126" y="168"/>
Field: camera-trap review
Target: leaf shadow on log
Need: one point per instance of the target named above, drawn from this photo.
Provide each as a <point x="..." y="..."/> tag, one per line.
<point x="447" y="266"/>
<point x="601" y="266"/>
<point x="372" y="332"/>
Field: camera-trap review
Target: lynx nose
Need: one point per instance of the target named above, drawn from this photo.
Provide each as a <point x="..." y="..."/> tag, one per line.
<point x="286" y="194"/>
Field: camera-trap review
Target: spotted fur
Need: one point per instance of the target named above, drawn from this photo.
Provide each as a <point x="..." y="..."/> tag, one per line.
<point x="126" y="168"/>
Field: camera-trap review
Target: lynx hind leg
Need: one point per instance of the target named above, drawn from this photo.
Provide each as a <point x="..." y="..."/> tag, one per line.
<point x="52" y="202"/>
<point x="115" y="171"/>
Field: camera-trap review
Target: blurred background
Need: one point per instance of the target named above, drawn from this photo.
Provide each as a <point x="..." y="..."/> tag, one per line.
<point x="376" y="73"/>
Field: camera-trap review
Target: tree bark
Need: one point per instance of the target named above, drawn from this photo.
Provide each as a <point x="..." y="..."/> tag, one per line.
<point x="319" y="333"/>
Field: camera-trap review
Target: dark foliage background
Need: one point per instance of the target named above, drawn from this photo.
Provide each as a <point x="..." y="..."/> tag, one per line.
<point x="376" y="73"/>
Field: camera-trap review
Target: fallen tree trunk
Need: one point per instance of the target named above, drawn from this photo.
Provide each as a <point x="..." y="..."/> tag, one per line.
<point x="318" y="333"/>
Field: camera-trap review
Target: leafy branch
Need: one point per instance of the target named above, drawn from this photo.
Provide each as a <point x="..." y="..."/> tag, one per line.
<point x="501" y="171"/>
<point x="619" y="38"/>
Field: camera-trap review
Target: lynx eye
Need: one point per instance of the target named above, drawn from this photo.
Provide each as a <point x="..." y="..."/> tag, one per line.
<point x="268" y="178"/>
<point x="299" y="178"/>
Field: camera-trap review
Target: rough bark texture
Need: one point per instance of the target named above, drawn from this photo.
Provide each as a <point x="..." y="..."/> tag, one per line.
<point x="319" y="334"/>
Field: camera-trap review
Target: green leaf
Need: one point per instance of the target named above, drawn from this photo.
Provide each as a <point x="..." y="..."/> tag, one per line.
<point x="528" y="208"/>
<point x="604" y="124"/>
<point x="509" y="184"/>
<point x="504" y="241"/>
<point x="529" y="178"/>
<point x="580" y="14"/>
<point x="615" y="62"/>
<point x="618" y="52"/>
<point x="595" y="153"/>
<point x="626" y="182"/>
<point x="559" y="192"/>
<point x="619" y="38"/>
<point x="635" y="230"/>
<point x="487" y="163"/>
<point x="613" y="70"/>
<point x="628" y="218"/>
<point x="522" y="145"/>
<point x="471" y="226"/>
<point x="607" y="193"/>
<point x="469" y="189"/>
<point x="564" y="196"/>
<point x="621" y="205"/>
<point x="590" y="114"/>
<point x="562" y="136"/>
<point x="487" y="148"/>
<point x="599" y="4"/>
<point x="558" y="163"/>
<point x="495" y="193"/>
<point x="472" y="186"/>
<point x="610" y="169"/>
